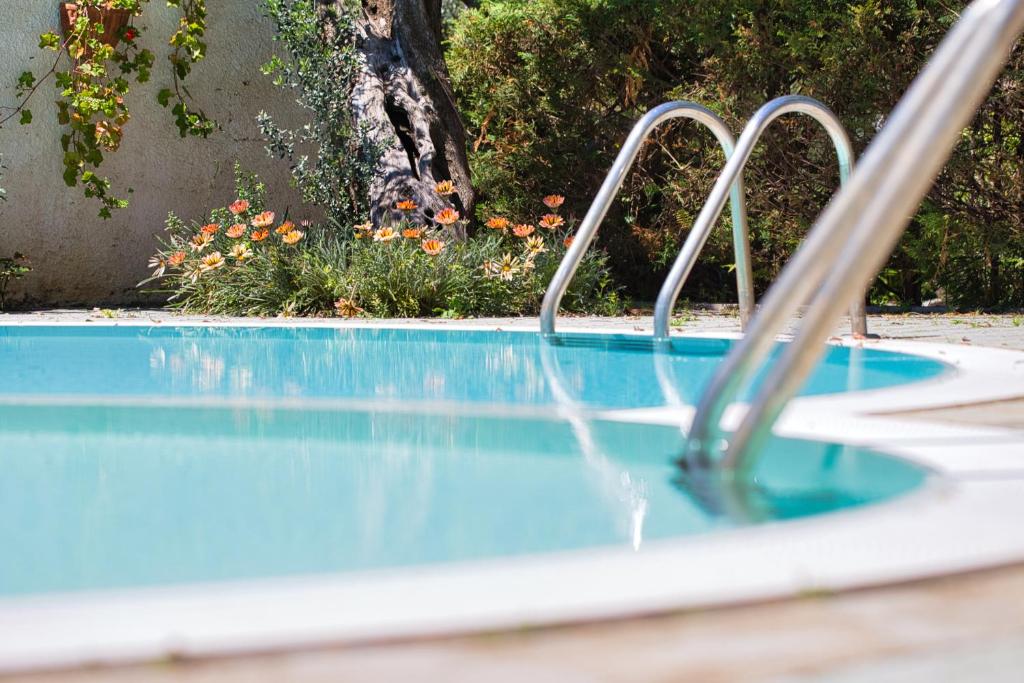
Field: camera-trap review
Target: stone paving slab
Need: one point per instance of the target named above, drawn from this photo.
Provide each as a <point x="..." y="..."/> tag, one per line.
<point x="998" y="331"/>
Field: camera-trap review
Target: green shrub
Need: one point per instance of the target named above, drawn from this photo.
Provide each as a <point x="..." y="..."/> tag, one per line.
<point x="244" y="262"/>
<point x="550" y="89"/>
<point x="11" y="268"/>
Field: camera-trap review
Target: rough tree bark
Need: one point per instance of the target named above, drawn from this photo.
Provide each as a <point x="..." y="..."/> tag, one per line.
<point x="404" y="94"/>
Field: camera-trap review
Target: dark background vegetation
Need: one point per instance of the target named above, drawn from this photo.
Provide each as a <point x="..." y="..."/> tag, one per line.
<point x="550" y="88"/>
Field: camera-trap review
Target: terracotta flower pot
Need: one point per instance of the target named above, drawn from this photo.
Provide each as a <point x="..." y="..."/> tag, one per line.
<point x="113" y="20"/>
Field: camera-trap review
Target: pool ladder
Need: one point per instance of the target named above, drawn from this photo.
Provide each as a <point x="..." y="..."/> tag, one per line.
<point x="729" y="186"/>
<point x="845" y="249"/>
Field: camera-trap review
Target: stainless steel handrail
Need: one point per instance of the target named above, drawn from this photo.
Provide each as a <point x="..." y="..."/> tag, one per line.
<point x="612" y="184"/>
<point x="857" y="231"/>
<point x="733" y="172"/>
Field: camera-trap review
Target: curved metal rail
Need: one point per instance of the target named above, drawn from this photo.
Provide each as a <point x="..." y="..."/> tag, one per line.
<point x="857" y="231"/>
<point x="610" y="188"/>
<point x="732" y="173"/>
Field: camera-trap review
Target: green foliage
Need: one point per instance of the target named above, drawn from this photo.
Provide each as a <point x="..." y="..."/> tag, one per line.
<point x="550" y="89"/>
<point x="321" y="63"/>
<point x="11" y="268"/>
<point x="92" y="89"/>
<point x="403" y="270"/>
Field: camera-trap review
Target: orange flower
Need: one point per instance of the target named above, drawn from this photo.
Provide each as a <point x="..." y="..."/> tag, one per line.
<point x="445" y="188"/>
<point x="406" y="205"/>
<point x="447" y="216"/>
<point x="385" y="235"/>
<point x="176" y="259"/>
<point x="523" y="230"/>
<point x="347" y="308"/>
<point x="236" y="230"/>
<point x="567" y="242"/>
<point x="263" y="220"/>
<point x="285" y="228"/>
<point x="412" y="233"/>
<point x="551" y="221"/>
<point x="293" y="237"/>
<point x="259" y="235"/>
<point x="498" y="223"/>
<point x="239" y="207"/>
<point x="432" y="247"/>
<point x="553" y="201"/>
<point x="210" y="229"/>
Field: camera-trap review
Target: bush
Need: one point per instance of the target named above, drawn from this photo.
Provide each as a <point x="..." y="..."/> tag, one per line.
<point x="242" y="262"/>
<point x="550" y="88"/>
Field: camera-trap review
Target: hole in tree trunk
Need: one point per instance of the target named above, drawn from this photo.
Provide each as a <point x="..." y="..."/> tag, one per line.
<point x="403" y="129"/>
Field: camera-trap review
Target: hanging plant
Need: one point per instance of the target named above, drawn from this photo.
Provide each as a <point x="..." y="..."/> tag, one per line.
<point x="100" y="38"/>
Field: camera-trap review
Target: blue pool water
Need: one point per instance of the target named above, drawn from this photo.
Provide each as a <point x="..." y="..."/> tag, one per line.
<point x="113" y="497"/>
<point x="98" y="493"/>
<point x="395" y="364"/>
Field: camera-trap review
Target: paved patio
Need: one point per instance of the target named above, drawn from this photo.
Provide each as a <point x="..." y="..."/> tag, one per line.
<point x="961" y="628"/>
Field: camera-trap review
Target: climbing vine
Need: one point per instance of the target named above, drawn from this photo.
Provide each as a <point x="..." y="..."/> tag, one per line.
<point x="101" y="41"/>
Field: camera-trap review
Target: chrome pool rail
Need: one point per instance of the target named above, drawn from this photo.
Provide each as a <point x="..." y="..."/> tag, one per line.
<point x="856" y="233"/>
<point x="733" y="173"/>
<point x="613" y="183"/>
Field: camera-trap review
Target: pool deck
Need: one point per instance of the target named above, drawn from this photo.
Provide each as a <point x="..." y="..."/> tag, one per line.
<point x="961" y="628"/>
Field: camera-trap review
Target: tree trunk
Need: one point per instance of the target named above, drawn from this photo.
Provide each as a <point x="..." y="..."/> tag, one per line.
<point x="404" y="95"/>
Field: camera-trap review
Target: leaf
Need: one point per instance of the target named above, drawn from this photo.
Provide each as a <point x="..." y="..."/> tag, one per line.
<point x="26" y="117"/>
<point x="164" y="97"/>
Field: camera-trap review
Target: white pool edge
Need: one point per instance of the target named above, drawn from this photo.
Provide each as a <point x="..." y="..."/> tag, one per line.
<point x="967" y="520"/>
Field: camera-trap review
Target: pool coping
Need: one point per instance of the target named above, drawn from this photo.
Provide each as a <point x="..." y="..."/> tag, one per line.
<point x="965" y="519"/>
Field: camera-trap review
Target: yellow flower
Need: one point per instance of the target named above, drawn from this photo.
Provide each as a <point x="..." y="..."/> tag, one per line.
<point x="432" y="247"/>
<point x="445" y="188"/>
<point x="241" y="252"/>
<point x="259" y="235"/>
<point x="523" y="230"/>
<point x="506" y="269"/>
<point x="211" y="262"/>
<point x="236" y="230"/>
<point x="498" y="223"/>
<point x="363" y="227"/>
<point x="553" y="201"/>
<point x="263" y="220"/>
<point x="509" y="267"/>
<point x="536" y="245"/>
<point x="293" y="237"/>
<point x="285" y="228"/>
<point x="412" y="233"/>
<point x="385" y="235"/>
<point x="406" y="205"/>
<point x="447" y="216"/>
<point x="551" y="221"/>
<point x="239" y="207"/>
<point x="347" y="308"/>
<point x="201" y="241"/>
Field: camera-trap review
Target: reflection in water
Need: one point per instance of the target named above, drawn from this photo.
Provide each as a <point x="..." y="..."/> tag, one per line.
<point x="94" y="497"/>
<point x="427" y="366"/>
<point x="615" y="481"/>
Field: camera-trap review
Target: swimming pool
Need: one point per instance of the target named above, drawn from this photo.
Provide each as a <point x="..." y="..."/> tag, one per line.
<point x="216" y="488"/>
<point x="133" y="456"/>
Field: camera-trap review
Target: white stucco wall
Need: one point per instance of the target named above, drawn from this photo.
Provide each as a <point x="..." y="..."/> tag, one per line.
<point x="80" y="258"/>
